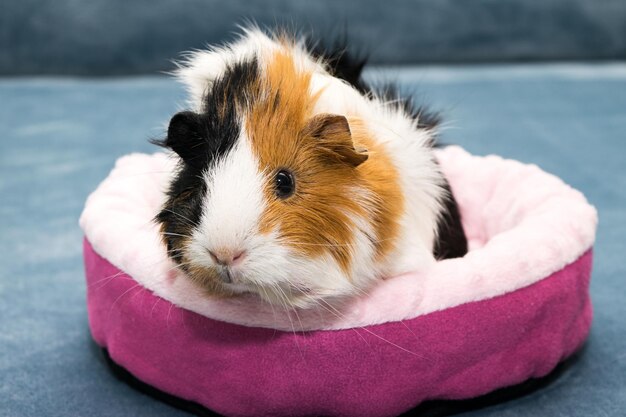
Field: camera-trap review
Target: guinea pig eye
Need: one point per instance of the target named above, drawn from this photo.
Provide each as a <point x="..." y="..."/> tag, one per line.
<point x="284" y="184"/>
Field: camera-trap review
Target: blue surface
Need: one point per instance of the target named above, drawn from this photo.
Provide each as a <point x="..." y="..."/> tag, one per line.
<point x="122" y="37"/>
<point x="60" y="137"/>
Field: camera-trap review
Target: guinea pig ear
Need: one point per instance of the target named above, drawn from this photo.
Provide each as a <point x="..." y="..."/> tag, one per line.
<point x="184" y="136"/>
<point x="333" y="134"/>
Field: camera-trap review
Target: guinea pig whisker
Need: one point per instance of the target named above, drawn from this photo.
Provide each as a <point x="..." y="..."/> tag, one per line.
<point x="175" y="234"/>
<point x="376" y="335"/>
<point x="337" y="314"/>
<point x="104" y="281"/>
<point x="178" y="265"/>
<point x="329" y="307"/>
<point x="295" y="310"/>
<point x="191" y="223"/>
<point x="137" y="285"/>
<point x="284" y="303"/>
<point x="292" y="307"/>
<point x="261" y="288"/>
<point x="390" y="102"/>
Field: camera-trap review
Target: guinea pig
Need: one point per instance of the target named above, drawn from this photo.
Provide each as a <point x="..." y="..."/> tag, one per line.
<point x="298" y="181"/>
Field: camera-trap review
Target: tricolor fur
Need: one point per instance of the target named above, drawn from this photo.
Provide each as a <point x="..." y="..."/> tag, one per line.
<point x="368" y="199"/>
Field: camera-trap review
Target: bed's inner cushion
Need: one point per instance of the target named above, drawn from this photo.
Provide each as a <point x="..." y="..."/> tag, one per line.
<point x="522" y="224"/>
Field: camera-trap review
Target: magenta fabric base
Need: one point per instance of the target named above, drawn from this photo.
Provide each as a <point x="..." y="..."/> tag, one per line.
<point x="382" y="370"/>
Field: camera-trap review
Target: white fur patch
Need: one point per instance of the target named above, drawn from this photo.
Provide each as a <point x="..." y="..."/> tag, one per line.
<point x="232" y="206"/>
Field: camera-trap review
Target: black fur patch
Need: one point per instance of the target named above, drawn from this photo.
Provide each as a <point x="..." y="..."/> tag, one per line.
<point x="349" y="67"/>
<point x="426" y="118"/>
<point x="342" y="63"/>
<point x="451" y="242"/>
<point x="200" y="139"/>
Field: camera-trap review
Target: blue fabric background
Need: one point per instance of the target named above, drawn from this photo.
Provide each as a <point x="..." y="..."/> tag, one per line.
<point x="60" y="137"/>
<point x="122" y="37"/>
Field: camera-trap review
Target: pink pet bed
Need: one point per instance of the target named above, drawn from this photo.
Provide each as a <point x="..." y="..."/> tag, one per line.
<point x="512" y="309"/>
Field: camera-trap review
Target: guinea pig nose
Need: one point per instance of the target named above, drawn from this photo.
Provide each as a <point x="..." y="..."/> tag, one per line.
<point x="227" y="256"/>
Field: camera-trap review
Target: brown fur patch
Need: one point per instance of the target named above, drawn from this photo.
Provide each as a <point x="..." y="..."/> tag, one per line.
<point x="333" y="185"/>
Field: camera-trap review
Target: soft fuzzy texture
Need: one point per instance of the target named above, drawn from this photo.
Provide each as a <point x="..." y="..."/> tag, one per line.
<point x="522" y="223"/>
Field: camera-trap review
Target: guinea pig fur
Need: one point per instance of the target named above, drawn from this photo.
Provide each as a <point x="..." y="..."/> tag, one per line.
<point x="297" y="181"/>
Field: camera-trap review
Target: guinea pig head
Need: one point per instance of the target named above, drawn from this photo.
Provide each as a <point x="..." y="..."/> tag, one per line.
<point x="269" y="198"/>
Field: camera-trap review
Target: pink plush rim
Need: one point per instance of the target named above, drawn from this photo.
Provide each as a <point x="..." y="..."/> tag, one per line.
<point x="379" y="370"/>
<point x="522" y="225"/>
